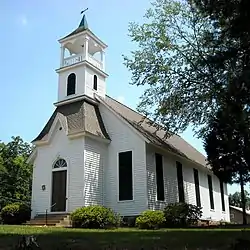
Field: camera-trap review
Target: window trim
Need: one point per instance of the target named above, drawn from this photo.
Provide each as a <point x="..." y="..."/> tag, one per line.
<point x="211" y="192"/>
<point x="164" y="196"/>
<point x="67" y="181"/>
<point x="197" y="199"/>
<point x="133" y="176"/>
<point x="176" y="167"/>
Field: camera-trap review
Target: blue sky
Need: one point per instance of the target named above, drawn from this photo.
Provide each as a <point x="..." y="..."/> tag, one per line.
<point x="30" y="54"/>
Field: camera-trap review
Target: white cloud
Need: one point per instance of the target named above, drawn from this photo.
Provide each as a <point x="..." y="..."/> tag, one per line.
<point x="23" y="21"/>
<point x="120" y="99"/>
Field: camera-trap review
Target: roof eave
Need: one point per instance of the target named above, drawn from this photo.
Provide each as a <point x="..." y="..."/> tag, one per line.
<point x="182" y="157"/>
<point x="88" y="32"/>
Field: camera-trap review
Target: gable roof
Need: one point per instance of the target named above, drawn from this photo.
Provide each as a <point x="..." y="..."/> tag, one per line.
<point x="81" y="116"/>
<point x="155" y="134"/>
<point x="76" y="117"/>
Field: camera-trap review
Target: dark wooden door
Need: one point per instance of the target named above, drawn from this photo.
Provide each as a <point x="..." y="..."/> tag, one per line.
<point x="59" y="180"/>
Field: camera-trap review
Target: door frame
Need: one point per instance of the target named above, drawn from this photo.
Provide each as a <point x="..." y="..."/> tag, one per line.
<point x="51" y="186"/>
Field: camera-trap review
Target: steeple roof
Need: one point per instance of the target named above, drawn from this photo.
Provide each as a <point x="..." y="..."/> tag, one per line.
<point x="83" y="23"/>
<point x="82" y="26"/>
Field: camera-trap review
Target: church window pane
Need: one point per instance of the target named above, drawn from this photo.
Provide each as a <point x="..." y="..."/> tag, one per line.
<point x="125" y="176"/>
<point x="210" y="187"/>
<point x="71" y="84"/>
<point x="95" y="83"/>
<point x="180" y="182"/>
<point x="61" y="163"/>
<point x="197" y="187"/>
<point x="159" y="177"/>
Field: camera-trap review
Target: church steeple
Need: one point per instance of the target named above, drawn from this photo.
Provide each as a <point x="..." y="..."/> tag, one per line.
<point x="82" y="64"/>
<point x="83" y="24"/>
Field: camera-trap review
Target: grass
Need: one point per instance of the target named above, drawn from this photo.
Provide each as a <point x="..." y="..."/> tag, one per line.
<point x="51" y="238"/>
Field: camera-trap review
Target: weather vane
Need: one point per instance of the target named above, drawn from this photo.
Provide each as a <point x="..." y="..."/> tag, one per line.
<point x="84" y="10"/>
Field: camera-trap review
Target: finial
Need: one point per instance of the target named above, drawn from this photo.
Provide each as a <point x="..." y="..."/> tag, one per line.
<point x="83" y="22"/>
<point x="84" y="10"/>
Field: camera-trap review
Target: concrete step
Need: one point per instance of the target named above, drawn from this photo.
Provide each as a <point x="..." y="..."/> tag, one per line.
<point x="52" y="220"/>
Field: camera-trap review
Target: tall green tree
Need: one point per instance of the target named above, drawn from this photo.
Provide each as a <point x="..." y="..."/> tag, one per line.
<point x="172" y="61"/>
<point x="227" y="141"/>
<point x="15" y="173"/>
<point x="186" y="54"/>
<point x="235" y="199"/>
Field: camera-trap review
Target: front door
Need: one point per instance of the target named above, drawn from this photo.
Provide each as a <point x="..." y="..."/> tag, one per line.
<point x="59" y="179"/>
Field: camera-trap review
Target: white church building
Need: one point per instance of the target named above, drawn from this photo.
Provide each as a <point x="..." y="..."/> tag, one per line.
<point x="96" y="150"/>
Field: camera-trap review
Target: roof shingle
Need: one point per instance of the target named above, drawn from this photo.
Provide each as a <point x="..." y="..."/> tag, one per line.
<point x="76" y="117"/>
<point x="155" y="134"/>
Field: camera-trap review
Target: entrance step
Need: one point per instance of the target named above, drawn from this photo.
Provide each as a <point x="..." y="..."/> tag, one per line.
<point x="59" y="220"/>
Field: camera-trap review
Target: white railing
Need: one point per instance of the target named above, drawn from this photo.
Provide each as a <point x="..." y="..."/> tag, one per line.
<point x="72" y="60"/>
<point x="79" y="58"/>
<point x="94" y="61"/>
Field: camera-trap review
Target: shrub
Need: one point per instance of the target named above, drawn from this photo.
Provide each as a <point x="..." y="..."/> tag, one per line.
<point x="182" y="214"/>
<point x="95" y="217"/>
<point x="150" y="219"/>
<point x="15" y="213"/>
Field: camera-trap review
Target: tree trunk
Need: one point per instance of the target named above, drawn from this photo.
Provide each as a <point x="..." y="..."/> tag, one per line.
<point x="243" y="200"/>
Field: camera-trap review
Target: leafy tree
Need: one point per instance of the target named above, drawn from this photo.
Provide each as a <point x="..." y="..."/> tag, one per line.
<point x="227" y="142"/>
<point x="15" y="173"/>
<point x="171" y="60"/>
<point x="235" y="199"/>
<point x="187" y="53"/>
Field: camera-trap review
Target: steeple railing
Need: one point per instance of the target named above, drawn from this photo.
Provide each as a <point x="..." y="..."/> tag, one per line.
<point x="72" y="60"/>
<point x="81" y="57"/>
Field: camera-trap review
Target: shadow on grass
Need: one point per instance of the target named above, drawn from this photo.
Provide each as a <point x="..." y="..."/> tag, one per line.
<point x="51" y="238"/>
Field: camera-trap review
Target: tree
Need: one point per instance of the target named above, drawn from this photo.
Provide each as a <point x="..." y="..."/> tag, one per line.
<point x="235" y="199"/>
<point x="186" y="55"/>
<point x="227" y="141"/>
<point x="15" y="173"/>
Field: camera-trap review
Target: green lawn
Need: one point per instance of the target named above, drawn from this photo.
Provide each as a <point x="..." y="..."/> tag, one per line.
<point x="79" y="239"/>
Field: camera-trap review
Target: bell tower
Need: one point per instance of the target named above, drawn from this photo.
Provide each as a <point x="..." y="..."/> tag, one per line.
<point x="82" y="65"/>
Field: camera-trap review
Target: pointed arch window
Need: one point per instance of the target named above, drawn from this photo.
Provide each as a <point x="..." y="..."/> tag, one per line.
<point x="60" y="163"/>
<point x="71" y="84"/>
<point x="95" y="82"/>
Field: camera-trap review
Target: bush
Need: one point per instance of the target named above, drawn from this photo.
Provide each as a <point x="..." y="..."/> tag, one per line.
<point x="95" y="217"/>
<point x="15" y="213"/>
<point x="182" y="214"/>
<point x="150" y="219"/>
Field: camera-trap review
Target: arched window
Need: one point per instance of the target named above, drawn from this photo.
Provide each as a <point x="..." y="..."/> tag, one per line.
<point x="95" y="83"/>
<point x="71" y="84"/>
<point x="61" y="163"/>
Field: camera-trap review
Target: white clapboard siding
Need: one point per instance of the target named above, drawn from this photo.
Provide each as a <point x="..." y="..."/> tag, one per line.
<point x="94" y="155"/>
<point x="60" y="147"/>
<point x="171" y="187"/>
<point x="123" y="138"/>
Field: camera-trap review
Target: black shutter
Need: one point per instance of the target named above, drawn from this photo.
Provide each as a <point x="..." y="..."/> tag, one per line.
<point x="125" y="176"/>
<point x="210" y="187"/>
<point x="159" y="177"/>
<point x="180" y="182"/>
<point x="197" y="187"/>
<point x="222" y="195"/>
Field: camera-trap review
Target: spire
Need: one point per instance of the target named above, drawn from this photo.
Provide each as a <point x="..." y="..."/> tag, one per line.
<point x="83" y="24"/>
